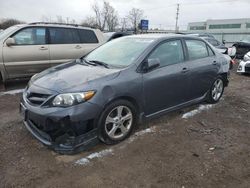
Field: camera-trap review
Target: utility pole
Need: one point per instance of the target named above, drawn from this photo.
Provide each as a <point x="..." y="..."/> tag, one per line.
<point x="177" y="17"/>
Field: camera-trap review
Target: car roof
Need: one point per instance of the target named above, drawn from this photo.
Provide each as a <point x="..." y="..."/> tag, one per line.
<point x="62" y="25"/>
<point x="161" y="36"/>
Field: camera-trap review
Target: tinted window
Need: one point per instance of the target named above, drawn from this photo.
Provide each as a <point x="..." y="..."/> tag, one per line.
<point x="168" y="53"/>
<point x="196" y="49"/>
<point x="31" y="36"/>
<point x="63" y="36"/>
<point x="87" y="36"/>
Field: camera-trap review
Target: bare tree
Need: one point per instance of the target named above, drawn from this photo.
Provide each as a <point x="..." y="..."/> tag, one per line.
<point x="105" y="16"/>
<point x="135" y="15"/>
<point x="89" y="21"/>
<point x="111" y="16"/>
<point x="100" y="22"/>
<point x="124" y="23"/>
<point x="5" y="23"/>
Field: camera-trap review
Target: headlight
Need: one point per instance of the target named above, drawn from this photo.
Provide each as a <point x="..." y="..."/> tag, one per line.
<point x="69" y="99"/>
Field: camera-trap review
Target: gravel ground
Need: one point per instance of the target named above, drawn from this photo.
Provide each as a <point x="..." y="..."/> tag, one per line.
<point x="208" y="148"/>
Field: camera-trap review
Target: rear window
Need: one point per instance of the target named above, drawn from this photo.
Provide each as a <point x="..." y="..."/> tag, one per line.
<point x="63" y="36"/>
<point x="87" y="36"/>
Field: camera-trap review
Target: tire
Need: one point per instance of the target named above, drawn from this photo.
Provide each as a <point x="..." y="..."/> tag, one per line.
<point x="216" y="91"/>
<point x="117" y="122"/>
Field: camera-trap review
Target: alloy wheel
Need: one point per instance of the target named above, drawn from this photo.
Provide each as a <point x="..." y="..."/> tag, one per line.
<point x="217" y="89"/>
<point x="118" y="122"/>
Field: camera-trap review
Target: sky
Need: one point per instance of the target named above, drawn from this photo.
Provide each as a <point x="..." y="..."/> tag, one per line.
<point x="160" y="13"/>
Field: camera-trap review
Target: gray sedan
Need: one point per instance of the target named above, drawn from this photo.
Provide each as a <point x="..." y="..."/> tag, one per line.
<point x="102" y="96"/>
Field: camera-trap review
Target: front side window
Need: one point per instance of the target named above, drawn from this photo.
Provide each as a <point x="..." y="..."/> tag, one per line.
<point x="63" y="36"/>
<point x="31" y="36"/>
<point x="168" y="53"/>
<point x="196" y="49"/>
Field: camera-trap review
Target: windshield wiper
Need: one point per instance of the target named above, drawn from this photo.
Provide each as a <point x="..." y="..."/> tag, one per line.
<point x="99" y="63"/>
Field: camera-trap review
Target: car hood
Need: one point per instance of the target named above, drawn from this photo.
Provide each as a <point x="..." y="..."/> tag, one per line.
<point x="71" y="76"/>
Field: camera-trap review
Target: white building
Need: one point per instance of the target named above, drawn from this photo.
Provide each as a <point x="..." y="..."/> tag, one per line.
<point x="230" y="30"/>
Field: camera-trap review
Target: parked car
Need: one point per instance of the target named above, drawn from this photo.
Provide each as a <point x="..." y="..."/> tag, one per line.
<point x="242" y="48"/>
<point x="217" y="44"/>
<point x="31" y="48"/>
<point x="244" y="65"/>
<point x="114" y="35"/>
<point x="205" y="35"/>
<point x="103" y="95"/>
<point x="229" y="53"/>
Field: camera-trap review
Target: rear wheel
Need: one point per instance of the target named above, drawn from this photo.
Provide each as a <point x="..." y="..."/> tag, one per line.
<point x="117" y="122"/>
<point x="216" y="91"/>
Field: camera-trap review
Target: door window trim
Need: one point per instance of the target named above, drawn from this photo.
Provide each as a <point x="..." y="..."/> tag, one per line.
<point x="46" y="36"/>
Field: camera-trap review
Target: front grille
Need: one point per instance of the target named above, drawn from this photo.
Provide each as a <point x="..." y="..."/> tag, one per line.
<point x="37" y="98"/>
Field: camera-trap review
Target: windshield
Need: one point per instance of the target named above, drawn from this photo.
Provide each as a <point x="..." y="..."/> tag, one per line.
<point x="7" y="31"/>
<point x="120" y="52"/>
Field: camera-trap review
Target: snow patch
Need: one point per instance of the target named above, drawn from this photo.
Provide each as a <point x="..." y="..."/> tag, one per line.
<point x="86" y="160"/>
<point x="196" y="111"/>
<point x="141" y="133"/>
<point x="12" y="92"/>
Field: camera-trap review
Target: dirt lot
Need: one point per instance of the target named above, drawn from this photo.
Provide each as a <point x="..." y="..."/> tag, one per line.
<point x="209" y="149"/>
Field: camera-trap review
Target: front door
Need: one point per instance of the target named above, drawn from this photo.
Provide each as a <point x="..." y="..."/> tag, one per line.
<point x="166" y="86"/>
<point x="29" y="54"/>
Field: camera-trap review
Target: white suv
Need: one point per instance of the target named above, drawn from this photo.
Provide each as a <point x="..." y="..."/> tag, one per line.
<point x="30" y="48"/>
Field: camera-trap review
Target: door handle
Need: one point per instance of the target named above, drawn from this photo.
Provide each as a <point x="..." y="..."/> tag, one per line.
<point x="78" y="47"/>
<point x="43" y="48"/>
<point x="184" y="70"/>
<point x="214" y="62"/>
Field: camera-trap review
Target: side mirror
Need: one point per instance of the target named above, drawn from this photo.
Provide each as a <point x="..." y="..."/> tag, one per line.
<point x="151" y="64"/>
<point x="10" y="42"/>
<point x="224" y="42"/>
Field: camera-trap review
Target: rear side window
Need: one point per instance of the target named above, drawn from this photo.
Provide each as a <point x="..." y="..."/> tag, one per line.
<point x="196" y="49"/>
<point x="30" y="36"/>
<point x="87" y="36"/>
<point x="63" y="36"/>
<point x="168" y="53"/>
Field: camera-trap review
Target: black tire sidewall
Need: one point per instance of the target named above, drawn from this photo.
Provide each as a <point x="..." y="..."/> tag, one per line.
<point x="210" y="97"/>
<point x="102" y="135"/>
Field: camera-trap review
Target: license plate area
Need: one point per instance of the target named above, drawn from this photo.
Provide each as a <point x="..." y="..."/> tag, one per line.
<point x="23" y="112"/>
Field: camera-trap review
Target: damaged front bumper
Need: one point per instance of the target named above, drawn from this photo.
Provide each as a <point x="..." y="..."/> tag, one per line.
<point x="65" y="130"/>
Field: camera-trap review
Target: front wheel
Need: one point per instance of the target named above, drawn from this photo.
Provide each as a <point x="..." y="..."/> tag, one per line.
<point x="216" y="91"/>
<point x="117" y="122"/>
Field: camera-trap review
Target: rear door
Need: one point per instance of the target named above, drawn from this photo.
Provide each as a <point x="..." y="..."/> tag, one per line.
<point x="64" y="45"/>
<point x="29" y="55"/>
<point x="166" y="86"/>
<point x="203" y="67"/>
